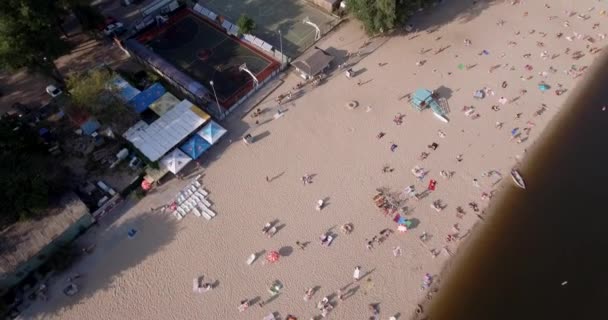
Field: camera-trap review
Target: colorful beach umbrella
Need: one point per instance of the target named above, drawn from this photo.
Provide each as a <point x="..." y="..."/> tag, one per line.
<point x="273" y="256"/>
<point x="212" y="132"/>
<point x="195" y="146"/>
<point x="146" y="185"/>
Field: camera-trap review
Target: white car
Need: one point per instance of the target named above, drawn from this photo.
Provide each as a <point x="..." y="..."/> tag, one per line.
<point x="53" y="91"/>
<point x="116" y="28"/>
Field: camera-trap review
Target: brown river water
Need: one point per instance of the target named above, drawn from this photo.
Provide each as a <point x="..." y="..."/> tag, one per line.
<point x="542" y="253"/>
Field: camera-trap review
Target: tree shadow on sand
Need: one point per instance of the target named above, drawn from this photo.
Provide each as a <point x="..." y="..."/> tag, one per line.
<point x="115" y="254"/>
<point x="433" y="18"/>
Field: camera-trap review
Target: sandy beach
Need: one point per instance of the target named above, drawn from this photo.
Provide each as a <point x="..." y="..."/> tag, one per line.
<point x="495" y="45"/>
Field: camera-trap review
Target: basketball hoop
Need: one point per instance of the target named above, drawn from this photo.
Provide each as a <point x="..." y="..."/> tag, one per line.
<point x="307" y="21"/>
<point x="243" y="67"/>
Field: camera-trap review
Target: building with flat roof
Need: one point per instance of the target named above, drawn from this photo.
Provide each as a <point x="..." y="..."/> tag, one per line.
<point x="25" y="246"/>
<point x="312" y="63"/>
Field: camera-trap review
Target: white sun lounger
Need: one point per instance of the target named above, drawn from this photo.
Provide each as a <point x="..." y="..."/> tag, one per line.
<point x="197" y="184"/>
<point x="177" y="215"/>
<point x="181" y="211"/>
<point x="209" y="211"/>
<point x="196" y="212"/>
<point x="204" y="213"/>
<point x="195" y="286"/>
<point x="206" y="202"/>
<point x="193" y="188"/>
<point x="203" y="191"/>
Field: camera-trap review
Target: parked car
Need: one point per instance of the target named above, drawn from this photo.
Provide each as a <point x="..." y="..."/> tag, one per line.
<point x="53" y="91"/>
<point x="114" y="29"/>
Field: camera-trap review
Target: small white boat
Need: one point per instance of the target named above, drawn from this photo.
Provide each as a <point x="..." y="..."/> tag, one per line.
<point x="441" y="117"/>
<point x="517" y="178"/>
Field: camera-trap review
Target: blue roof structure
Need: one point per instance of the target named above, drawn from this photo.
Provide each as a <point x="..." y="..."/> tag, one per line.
<point x="124" y="89"/>
<point x="195" y="146"/>
<point x="144" y="99"/>
<point x="90" y="126"/>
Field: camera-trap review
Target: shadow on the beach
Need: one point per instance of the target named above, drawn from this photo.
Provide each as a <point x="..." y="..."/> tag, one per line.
<point x="286" y="251"/>
<point x="415" y="222"/>
<point x="114" y="255"/>
<point x="431" y="19"/>
<point x="271" y="299"/>
<point x="444" y="92"/>
<point x="261" y="136"/>
<point x="277" y="176"/>
<point x="255" y="300"/>
<point x="367" y="274"/>
<point x="351" y="292"/>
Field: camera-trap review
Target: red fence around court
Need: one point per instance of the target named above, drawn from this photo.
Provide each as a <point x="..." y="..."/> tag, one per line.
<point x="228" y="102"/>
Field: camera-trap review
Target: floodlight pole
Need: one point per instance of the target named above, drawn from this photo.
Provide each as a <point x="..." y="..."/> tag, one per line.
<point x="281" y="44"/>
<point x="243" y="67"/>
<point x="215" y="95"/>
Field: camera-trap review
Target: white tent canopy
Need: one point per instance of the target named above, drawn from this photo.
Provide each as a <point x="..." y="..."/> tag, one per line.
<point x="175" y="161"/>
<point x="212" y="132"/>
<point x="156" y="139"/>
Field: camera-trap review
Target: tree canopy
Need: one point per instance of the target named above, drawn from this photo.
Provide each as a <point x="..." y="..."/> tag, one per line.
<point x="246" y="24"/>
<point x="29" y="36"/>
<point x="383" y="15"/>
<point x="30" y="32"/>
<point x="29" y="176"/>
<point x="89" y="92"/>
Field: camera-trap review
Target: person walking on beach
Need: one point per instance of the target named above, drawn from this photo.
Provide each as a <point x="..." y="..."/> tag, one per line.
<point x="357" y="273"/>
<point x="244" y="305"/>
<point x="300" y="245"/>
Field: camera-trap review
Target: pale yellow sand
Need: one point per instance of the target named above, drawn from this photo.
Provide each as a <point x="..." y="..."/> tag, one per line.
<point x="150" y="277"/>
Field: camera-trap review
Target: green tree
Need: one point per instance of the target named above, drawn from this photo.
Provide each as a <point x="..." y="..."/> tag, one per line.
<point x="246" y="24"/>
<point x="29" y="177"/>
<point x="380" y="16"/>
<point x="88" y="17"/>
<point x="91" y="93"/>
<point x="29" y="36"/>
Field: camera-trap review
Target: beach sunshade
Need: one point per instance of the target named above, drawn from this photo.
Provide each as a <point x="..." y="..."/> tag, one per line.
<point x="543" y="87"/>
<point x="175" y="161"/>
<point x="195" y="146"/>
<point x="460" y="66"/>
<point x="146" y="185"/>
<point x="212" y="132"/>
<point x="273" y="256"/>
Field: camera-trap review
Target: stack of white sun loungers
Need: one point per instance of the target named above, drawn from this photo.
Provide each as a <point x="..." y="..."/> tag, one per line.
<point x="193" y="199"/>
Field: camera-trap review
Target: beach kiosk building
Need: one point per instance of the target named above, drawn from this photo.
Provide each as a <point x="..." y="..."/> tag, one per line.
<point x="312" y="63"/>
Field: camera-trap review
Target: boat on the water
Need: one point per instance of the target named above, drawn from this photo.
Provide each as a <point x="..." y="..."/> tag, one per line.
<point x="517" y="178"/>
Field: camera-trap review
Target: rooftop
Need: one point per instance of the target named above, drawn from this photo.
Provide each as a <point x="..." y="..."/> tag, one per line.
<point x="23" y="240"/>
<point x="313" y="62"/>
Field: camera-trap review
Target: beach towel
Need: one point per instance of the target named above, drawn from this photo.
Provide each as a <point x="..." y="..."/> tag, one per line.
<point x="397" y="218"/>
